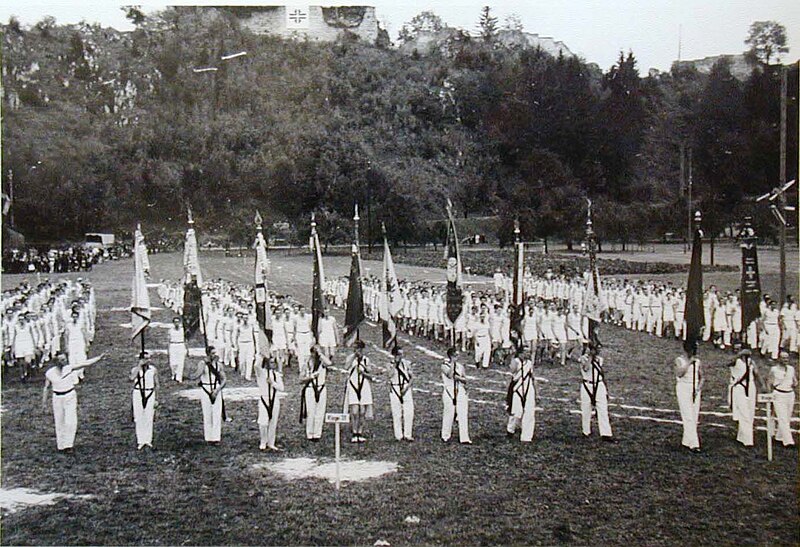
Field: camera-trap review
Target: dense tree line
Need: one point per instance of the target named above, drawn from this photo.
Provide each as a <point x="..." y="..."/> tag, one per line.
<point x="103" y="129"/>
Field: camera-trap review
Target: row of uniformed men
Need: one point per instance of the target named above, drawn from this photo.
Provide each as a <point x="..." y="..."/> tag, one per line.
<point x="232" y="328"/>
<point x="655" y="308"/>
<point x="39" y="321"/>
<point x="358" y="399"/>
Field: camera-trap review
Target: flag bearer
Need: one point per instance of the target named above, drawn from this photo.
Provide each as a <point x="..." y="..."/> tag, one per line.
<point x="145" y="385"/>
<point x="454" y="398"/>
<point x="270" y="388"/>
<point x="401" y="398"/>
<point x="212" y="380"/>
<point x="521" y="399"/>
<point x="688" y="388"/>
<point x="358" y="391"/>
<point x="314" y="394"/>
<point x="594" y="393"/>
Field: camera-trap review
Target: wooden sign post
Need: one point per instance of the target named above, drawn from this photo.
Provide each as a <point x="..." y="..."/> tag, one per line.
<point x="768" y="398"/>
<point x="337" y="419"/>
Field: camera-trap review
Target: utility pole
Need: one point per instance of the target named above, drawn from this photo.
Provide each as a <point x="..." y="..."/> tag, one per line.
<point x="11" y="197"/>
<point x="683" y="180"/>
<point x="782" y="195"/>
<point x="689" y="201"/>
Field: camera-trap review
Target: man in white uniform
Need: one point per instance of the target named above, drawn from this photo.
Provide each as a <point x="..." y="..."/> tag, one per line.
<point x="61" y="378"/>
<point x="400" y="397"/>
<point x="594" y="394"/>
<point x="270" y="389"/>
<point x="481" y="334"/>
<point x="743" y="395"/>
<point x="314" y="394"/>
<point x="212" y="380"/>
<point x="454" y="398"/>
<point x="145" y="385"/>
<point x="521" y="399"/>
<point x="177" y="349"/>
<point x="688" y="388"/>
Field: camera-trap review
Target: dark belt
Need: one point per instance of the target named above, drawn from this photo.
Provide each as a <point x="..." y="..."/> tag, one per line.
<point x="63" y="392"/>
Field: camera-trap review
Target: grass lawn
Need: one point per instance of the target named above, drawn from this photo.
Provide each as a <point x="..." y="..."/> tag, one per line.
<point x="562" y="488"/>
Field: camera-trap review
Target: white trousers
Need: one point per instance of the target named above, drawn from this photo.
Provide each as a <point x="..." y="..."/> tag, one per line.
<point x="65" y="414"/>
<point x="601" y="402"/>
<point x="143" y="418"/>
<point x="315" y="413"/>
<point x="177" y="359"/>
<point x="271" y="424"/>
<point x="784" y="407"/>
<point x="771" y="343"/>
<point x="524" y="418"/>
<point x="402" y="415"/>
<point x="690" y="414"/>
<point x="483" y="351"/>
<point x="744" y="412"/>
<point x="246" y="359"/>
<point x="450" y="413"/>
<point x="212" y="418"/>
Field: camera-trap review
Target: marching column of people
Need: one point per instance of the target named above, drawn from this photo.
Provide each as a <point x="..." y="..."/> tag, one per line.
<point x="231" y="323"/>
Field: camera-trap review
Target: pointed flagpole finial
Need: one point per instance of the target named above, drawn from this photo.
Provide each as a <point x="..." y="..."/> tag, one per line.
<point x="139" y="226"/>
<point x="313" y="220"/>
<point x="516" y="230"/>
<point x="698" y="217"/>
<point x="258" y="220"/>
<point x="189" y="215"/>
<point x="355" y="216"/>
<point x="383" y="228"/>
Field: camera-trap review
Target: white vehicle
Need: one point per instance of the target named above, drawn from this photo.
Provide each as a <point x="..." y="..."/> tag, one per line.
<point x="99" y="241"/>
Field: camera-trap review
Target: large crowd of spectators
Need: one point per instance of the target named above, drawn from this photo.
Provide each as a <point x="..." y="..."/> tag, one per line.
<point x="74" y="258"/>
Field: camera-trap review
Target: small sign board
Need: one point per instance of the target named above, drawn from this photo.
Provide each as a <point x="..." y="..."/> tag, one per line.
<point x="766" y="397"/>
<point x="333" y="418"/>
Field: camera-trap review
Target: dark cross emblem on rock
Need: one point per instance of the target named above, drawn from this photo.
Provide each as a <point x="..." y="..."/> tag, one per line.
<point x="297" y="16"/>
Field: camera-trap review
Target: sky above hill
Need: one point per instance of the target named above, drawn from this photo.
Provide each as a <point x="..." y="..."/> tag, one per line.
<point x="595" y="29"/>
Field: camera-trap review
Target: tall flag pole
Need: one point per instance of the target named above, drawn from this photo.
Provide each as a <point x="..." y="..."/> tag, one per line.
<point x="391" y="298"/>
<point x="193" y="319"/>
<point x="317" y="300"/>
<point x="751" y="284"/>
<point x="694" y="316"/>
<point x="354" y="311"/>
<point x="191" y="263"/>
<point x="140" y="299"/>
<point x="356" y="218"/>
<point x="263" y="311"/>
<point x="454" y="299"/>
<point x="594" y="303"/>
<point x="518" y="299"/>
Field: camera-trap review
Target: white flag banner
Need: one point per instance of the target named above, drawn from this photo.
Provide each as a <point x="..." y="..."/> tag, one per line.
<point x="297" y="17"/>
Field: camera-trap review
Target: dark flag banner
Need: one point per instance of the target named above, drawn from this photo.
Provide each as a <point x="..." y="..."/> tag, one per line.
<point x="192" y="301"/>
<point x="518" y="310"/>
<point x="263" y="311"/>
<point x="594" y="302"/>
<point x="694" y="316"/>
<point x="354" y="312"/>
<point x="454" y="299"/>
<point x="317" y="299"/>
<point x="751" y="284"/>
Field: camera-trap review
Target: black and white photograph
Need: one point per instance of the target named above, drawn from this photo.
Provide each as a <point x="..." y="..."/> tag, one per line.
<point x="400" y="273"/>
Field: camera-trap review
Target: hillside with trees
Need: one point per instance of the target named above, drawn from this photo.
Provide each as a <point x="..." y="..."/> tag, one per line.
<point x="102" y="129"/>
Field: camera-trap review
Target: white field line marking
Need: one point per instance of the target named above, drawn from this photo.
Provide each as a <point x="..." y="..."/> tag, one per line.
<point x="193" y="352"/>
<point x="14" y="499"/>
<point x="351" y="470"/>
<point x="154" y="324"/>
<point x="702" y="412"/>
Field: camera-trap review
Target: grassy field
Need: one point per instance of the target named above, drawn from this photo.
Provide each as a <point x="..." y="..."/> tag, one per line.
<point x="560" y="489"/>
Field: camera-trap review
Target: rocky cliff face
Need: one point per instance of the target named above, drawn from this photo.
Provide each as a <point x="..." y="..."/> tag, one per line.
<point x="325" y="24"/>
